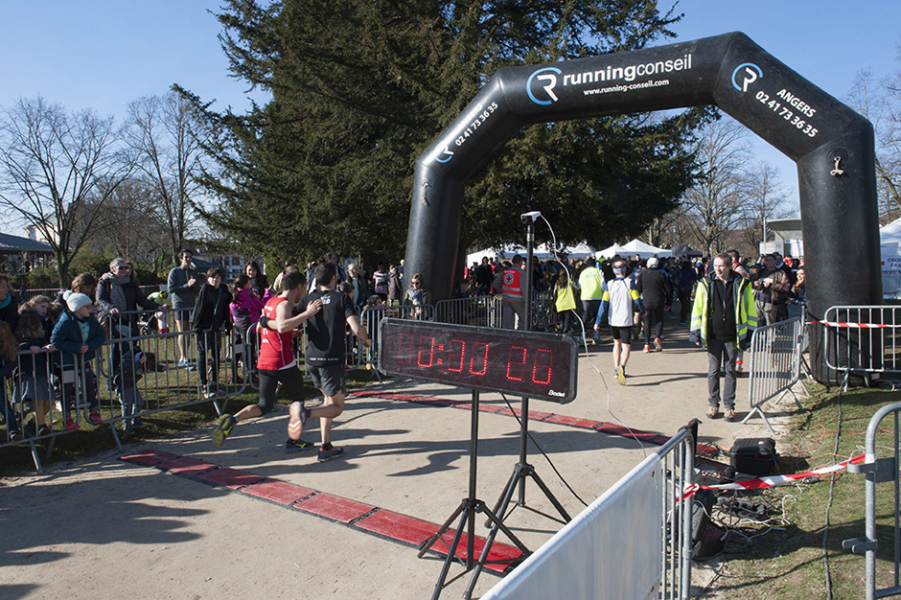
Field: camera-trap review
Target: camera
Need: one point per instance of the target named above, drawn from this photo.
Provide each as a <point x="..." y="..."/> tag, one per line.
<point x="530" y="217"/>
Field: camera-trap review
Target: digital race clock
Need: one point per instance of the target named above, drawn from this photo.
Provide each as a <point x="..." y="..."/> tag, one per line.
<point x="525" y="363"/>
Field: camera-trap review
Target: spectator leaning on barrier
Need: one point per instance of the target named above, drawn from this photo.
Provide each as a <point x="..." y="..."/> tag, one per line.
<point x="33" y="382"/>
<point x="183" y="284"/>
<point x="723" y="319"/>
<point x="78" y="336"/>
<point x="7" y="366"/>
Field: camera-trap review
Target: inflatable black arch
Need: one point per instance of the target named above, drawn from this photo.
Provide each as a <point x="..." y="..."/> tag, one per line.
<point x="832" y="145"/>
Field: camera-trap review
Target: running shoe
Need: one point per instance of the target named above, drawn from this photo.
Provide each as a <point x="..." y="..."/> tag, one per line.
<point x="621" y="375"/>
<point x="71" y="425"/>
<point x="646" y="349"/>
<point x="297" y="445"/>
<point x="329" y="454"/>
<point x="657" y="345"/>
<point x="223" y="429"/>
<point x="94" y="418"/>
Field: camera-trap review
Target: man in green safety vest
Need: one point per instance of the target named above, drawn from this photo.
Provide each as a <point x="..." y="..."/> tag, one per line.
<point x="722" y="320"/>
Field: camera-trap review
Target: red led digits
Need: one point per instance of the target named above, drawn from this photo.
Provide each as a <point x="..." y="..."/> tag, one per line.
<point x="516" y="363"/>
<point x="541" y="373"/>
<point x="455" y="362"/>
<point x="483" y="358"/>
<point x="430" y="342"/>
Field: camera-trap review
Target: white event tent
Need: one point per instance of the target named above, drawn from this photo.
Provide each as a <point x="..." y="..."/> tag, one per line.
<point x="542" y="252"/>
<point x="632" y="248"/>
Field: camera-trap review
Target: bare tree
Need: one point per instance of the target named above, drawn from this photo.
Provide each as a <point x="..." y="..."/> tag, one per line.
<point x="167" y="138"/>
<point x="57" y="171"/>
<point x="714" y="206"/>
<point x="131" y="208"/>
<point x="765" y="200"/>
<point x="881" y="104"/>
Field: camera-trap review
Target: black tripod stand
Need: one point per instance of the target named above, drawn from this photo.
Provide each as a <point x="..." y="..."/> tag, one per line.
<point x="467" y="513"/>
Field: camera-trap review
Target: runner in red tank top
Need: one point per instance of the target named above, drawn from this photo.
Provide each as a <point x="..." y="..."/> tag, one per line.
<point x="276" y="363"/>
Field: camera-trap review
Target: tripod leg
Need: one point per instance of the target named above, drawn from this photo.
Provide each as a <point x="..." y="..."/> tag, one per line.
<point x="465" y="509"/>
<point x="549" y="495"/>
<point x="504" y="501"/>
<point x="441" y="530"/>
<point x="496" y="524"/>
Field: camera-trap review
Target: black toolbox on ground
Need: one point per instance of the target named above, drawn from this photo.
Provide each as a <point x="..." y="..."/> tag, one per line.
<point x="755" y="456"/>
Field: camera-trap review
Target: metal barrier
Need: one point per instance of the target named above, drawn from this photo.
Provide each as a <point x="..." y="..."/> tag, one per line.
<point x="482" y="311"/>
<point x="370" y="319"/>
<point x="589" y="557"/>
<point x="775" y="365"/>
<point x="141" y="378"/>
<point x="544" y="312"/>
<point x="879" y="470"/>
<point x="862" y="340"/>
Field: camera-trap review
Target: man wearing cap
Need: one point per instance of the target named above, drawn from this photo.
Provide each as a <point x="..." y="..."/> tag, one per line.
<point x="512" y="283"/>
<point x="657" y="296"/>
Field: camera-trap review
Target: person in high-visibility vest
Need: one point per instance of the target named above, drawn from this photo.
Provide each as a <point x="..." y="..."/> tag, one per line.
<point x="723" y="319"/>
<point x="512" y="283"/>
<point x="564" y="302"/>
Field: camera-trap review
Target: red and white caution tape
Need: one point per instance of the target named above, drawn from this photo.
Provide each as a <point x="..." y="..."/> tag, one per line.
<point x="853" y="325"/>
<point x="773" y="480"/>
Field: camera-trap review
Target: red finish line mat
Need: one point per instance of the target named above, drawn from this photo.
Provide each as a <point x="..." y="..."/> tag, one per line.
<point x="373" y="520"/>
<point x="534" y="415"/>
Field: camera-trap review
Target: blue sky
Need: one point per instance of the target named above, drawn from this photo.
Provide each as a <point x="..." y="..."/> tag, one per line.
<point x="102" y="54"/>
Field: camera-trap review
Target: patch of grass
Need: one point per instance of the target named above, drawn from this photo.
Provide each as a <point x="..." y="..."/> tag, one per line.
<point x="791" y="560"/>
<point x="91" y="440"/>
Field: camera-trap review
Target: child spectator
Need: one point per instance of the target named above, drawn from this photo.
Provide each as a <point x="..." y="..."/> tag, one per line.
<point x="33" y="382"/>
<point x="7" y="366"/>
<point x="211" y="315"/>
<point x="246" y="308"/>
<point x="77" y="336"/>
<point x="125" y="382"/>
<point x="40" y="306"/>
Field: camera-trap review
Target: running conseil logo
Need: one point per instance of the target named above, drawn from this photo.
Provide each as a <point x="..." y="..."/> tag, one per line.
<point x="744" y="75"/>
<point x="541" y="84"/>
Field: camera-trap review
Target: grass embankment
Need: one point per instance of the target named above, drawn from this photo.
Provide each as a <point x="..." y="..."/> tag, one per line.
<point x="798" y="555"/>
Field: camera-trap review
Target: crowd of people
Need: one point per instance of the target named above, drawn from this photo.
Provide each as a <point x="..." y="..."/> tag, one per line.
<point x="44" y="336"/>
<point x="726" y="298"/>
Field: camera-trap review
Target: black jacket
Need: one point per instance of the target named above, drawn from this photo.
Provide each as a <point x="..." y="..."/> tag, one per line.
<point x="211" y="310"/>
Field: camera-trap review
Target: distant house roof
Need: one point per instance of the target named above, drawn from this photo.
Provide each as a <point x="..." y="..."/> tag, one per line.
<point x="13" y="244"/>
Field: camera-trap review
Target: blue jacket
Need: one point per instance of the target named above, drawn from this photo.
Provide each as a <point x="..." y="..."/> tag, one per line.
<point x="67" y="337"/>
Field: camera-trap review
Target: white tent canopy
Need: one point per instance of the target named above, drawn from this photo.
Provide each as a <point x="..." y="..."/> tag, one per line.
<point x="634" y="247"/>
<point x="542" y="252"/>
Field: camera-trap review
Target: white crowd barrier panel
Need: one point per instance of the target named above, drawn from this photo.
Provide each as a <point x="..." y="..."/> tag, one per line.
<point x="862" y="340"/>
<point x="880" y="470"/>
<point x="775" y="365"/>
<point x="633" y="542"/>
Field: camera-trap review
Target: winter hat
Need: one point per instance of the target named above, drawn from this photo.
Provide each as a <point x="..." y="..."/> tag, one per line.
<point x="76" y="301"/>
<point x="652" y="262"/>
